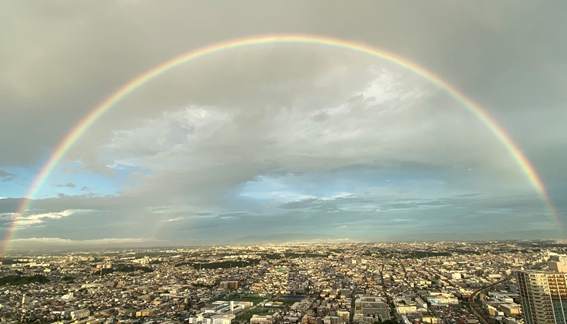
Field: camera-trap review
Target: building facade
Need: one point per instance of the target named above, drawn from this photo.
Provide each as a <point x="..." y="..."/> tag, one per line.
<point x="544" y="296"/>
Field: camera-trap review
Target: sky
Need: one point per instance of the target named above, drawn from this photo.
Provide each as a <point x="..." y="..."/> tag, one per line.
<point x="281" y="142"/>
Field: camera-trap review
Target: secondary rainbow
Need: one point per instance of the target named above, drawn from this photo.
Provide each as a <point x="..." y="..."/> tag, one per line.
<point x="142" y="79"/>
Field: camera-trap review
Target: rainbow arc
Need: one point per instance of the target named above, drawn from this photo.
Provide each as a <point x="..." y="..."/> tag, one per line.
<point x="80" y="128"/>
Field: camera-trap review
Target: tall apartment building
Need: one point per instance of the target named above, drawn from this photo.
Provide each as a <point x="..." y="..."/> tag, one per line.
<point x="229" y="284"/>
<point x="544" y="296"/>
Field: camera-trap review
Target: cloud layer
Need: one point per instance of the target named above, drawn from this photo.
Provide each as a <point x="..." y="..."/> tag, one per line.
<point x="298" y="139"/>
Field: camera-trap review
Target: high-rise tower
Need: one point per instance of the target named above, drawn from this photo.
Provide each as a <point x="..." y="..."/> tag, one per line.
<point x="544" y="295"/>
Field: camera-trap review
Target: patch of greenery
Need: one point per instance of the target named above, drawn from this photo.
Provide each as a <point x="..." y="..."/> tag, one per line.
<point x="425" y="254"/>
<point x="22" y="280"/>
<point x="389" y="322"/>
<point x="288" y="302"/>
<point x="182" y="264"/>
<point x="12" y="261"/>
<point x="247" y="315"/>
<point x="131" y="268"/>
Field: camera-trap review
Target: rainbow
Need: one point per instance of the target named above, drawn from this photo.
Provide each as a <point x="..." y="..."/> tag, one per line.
<point x="96" y="113"/>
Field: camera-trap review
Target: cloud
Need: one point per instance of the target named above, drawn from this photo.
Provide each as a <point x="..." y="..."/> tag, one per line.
<point x="63" y="44"/>
<point x="35" y="219"/>
<point x="7" y="176"/>
<point x="10" y="216"/>
<point x="281" y="136"/>
<point x="207" y="151"/>
<point x="67" y="185"/>
<point x="381" y="152"/>
<point x="366" y="217"/>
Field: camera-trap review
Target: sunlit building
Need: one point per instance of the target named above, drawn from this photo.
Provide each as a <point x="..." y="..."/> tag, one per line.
<point x="544" y="296"/>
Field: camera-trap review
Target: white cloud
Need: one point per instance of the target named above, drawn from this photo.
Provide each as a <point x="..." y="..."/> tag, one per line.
<point x="10" y="215"/>
<point x="34" y="219"/>
<point x="174" y="219"/>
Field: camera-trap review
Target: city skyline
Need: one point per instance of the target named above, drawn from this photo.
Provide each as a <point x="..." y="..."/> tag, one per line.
<point x="321" y="283"/>
<point x="299" y="140"/>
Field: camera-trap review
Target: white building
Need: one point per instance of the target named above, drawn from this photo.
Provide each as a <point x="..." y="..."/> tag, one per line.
<point x="223" y="319"/>
<point x="79" y="314"/>
<point x="420" y="303"/>
<point x="257" y="319"/>
<point x="68" y="296"/>
<point x="25" y="300"/>
<point x="443" y="299"/>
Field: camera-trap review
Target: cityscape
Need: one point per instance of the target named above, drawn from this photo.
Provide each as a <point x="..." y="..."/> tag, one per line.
<point x="283" y="162"/>
<point x="454" y="282"/>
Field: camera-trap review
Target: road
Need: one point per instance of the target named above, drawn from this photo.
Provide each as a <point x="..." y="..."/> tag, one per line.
<point x="352" y="308"/>
<point x="476" y="309"/>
